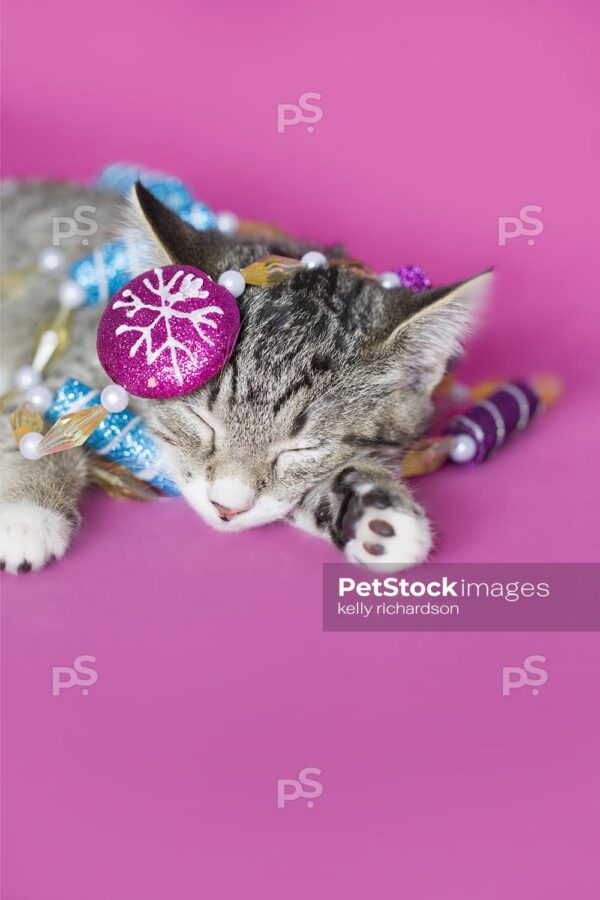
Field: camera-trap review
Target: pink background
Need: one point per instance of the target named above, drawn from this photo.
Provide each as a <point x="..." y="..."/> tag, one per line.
<point x="215" y="678"/>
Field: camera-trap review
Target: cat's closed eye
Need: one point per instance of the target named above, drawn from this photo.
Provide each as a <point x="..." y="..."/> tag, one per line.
<point x="304" y="453"/>
<point x="206" y="425"/>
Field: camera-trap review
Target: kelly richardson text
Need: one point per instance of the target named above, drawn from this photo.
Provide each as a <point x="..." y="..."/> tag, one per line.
<point x="469" y="597"/>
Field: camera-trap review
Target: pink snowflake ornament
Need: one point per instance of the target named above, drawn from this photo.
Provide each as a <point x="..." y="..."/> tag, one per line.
<point x="167" y="332"/>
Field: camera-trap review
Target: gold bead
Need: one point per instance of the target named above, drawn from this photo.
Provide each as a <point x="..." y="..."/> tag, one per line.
<point x="71" y="430"/>
<point x="24" y="419"/>
<point x="52" y="338"/>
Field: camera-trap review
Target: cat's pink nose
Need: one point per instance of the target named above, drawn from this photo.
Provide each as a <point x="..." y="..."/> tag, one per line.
<point x="225" y="513"/>
<point x="230" y="497"/>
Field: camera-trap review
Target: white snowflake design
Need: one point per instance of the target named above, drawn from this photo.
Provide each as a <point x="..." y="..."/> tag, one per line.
<point x="189" y="288"/>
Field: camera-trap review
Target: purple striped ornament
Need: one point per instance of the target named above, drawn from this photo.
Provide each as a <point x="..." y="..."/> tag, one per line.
<point x="491" y="421"/>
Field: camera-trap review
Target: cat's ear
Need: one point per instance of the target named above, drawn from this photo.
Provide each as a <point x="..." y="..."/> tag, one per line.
<point x="175" y="240"/>
<point x="432" y="326"/>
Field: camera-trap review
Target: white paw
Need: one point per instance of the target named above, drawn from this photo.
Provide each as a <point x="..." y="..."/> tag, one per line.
<point x="385" y="537"/>
<point x="31" y="536"/>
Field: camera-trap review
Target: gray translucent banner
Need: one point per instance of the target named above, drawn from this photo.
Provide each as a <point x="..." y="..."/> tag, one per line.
<point x="463" y="597"/>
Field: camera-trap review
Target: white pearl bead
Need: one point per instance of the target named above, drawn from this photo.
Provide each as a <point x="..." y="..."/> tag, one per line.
<point x="233" y="281"/>
<point x="114" y="398"/>
<point x="51" y="258"/>
<point x="39" y="397"/>
<point x="227" y="222"/>
<point x="26" y="377"/>
<point x="314" y="260"/>
<point x="29" y="443"/>
<point x="390" y="280"/>
<point x="71" y="294"/>
<point x="459" y="393"/>
<point x="464" y="449"/>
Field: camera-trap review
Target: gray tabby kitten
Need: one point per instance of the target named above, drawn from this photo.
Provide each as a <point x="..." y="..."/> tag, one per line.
<point x="330" y="382"/>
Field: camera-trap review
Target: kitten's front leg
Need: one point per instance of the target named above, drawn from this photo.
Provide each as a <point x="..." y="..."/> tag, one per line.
<point x="38" y="504"/>
<point x="369" y="514"/>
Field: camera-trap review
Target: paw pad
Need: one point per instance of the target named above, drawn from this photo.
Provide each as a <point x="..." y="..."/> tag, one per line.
<point x="382" y="528"/>
<point x="395" y="536"/>
<point x="31" y="536"/>
<point x="377" y="498"/>
<point x="374" y="549"/>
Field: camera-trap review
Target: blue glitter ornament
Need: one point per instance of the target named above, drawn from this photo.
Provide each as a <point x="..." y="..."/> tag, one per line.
<point x="118" y="177"/>
<point x="122" y="437"/>
<point x="95" y="277"/>
<point x="104" y="271"/>
<point x="171" y="191"/>
<point x="199" y="215"/>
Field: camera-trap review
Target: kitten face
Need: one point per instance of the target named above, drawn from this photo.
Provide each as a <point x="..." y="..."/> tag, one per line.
<point x="307" y="391"/>
<point x="242" y="459"/>
<point x="329" y="368"/>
